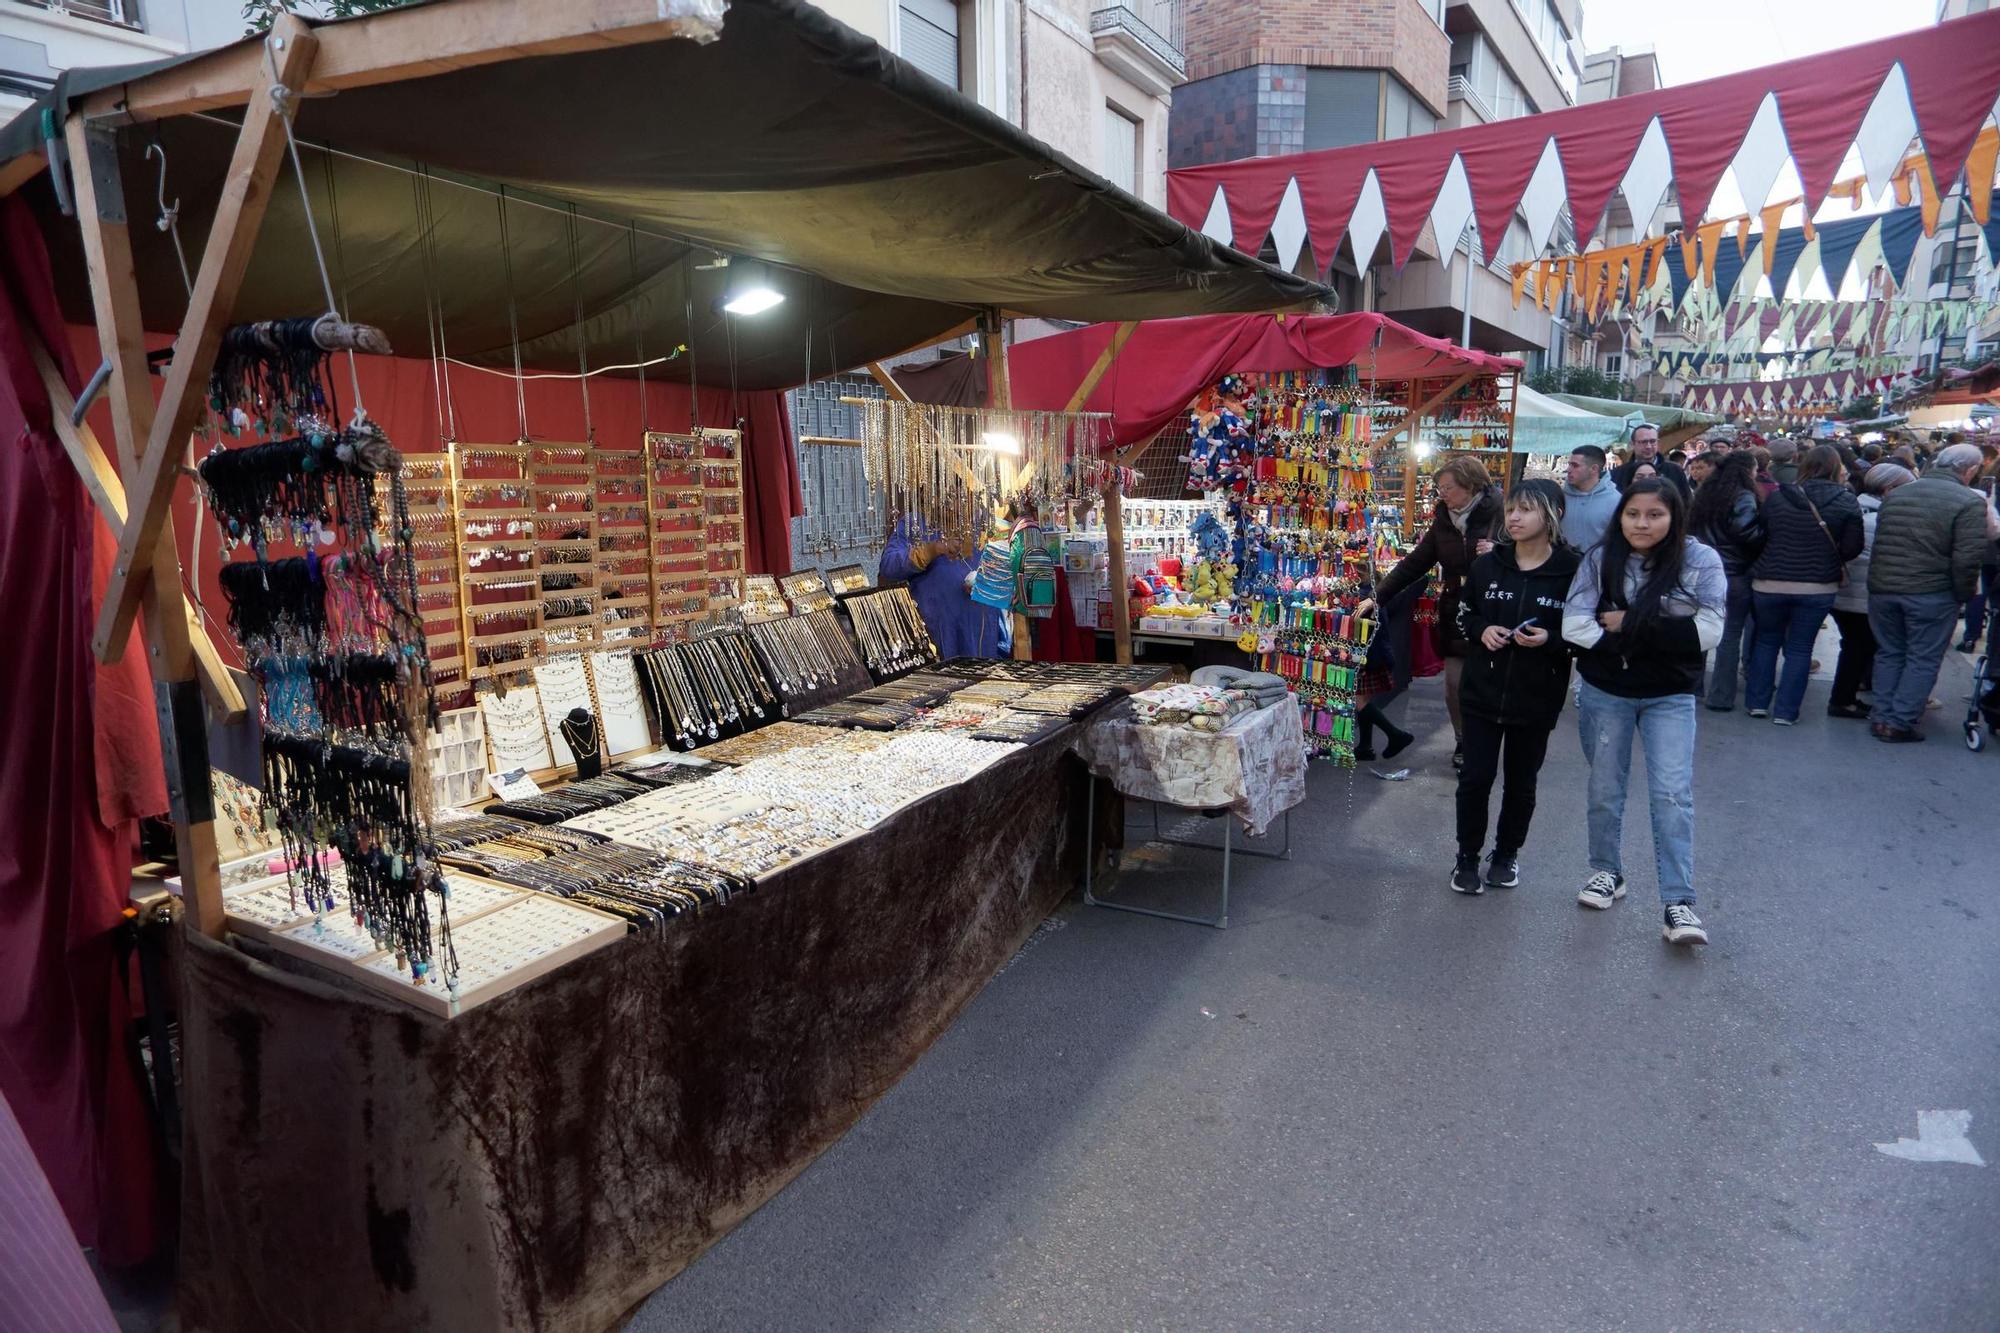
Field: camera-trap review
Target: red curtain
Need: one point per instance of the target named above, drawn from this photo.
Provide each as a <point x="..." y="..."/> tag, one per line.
<point x="66" y="804"/>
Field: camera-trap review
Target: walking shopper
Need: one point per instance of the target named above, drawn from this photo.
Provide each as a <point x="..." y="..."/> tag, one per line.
<point x="1930" y="540"/>
<point x="1645" y="608"/>
<point x="1646" y="450"/>
<point x="1516" y="678"/>
<point x="1855" y="670"/>
<point x="1384" y="674"/>
<point x="1989" y="573"/>
<point x="1589" y="498"/>
<point x="1812" y="528"/>
<point x="1726" y="516"/>
<point x="1467" y="519"/>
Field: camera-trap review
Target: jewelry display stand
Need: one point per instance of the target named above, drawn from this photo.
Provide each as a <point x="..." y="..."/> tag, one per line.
<point x="807" y="592"/>
<point x="458" y="759"/>
<point x="499" y="592"/>
<point x="891" y="632"/>
<point x="427" y="479"/>
<point x="621" y="713"/>
<point x="516" y="734"/>
<point x="762" y="600"/>
<point x="566" y="550"/>
<point x="563" y="683"/>
<point x="678" y="532"/>
<point x="624" y="575"/>
<point x="722" y="508"/>
<point x="809" y="658"/>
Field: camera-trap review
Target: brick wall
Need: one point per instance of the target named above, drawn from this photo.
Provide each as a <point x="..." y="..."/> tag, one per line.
<point x="1229" y="35"/>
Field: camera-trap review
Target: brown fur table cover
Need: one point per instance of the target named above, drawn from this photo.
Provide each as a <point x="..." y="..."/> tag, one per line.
<point x="547" y="1159"/>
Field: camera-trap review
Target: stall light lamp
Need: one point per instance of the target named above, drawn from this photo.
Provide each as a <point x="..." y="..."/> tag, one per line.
<point x="753" y="301"/>
<point x="1425" y="448"/>
<point x="1000" y="442"/>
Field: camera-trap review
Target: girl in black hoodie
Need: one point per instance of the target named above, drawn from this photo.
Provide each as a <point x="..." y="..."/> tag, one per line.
<point x="1516" y="678"/>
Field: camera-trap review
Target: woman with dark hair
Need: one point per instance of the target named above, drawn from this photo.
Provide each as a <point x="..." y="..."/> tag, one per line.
<point x="1725" y="516"/>
<point x="1516" y="678"/>
<point x="1812" y="529"/>
<point x="1645" y="607"/>
<point x="1463" y="527"/>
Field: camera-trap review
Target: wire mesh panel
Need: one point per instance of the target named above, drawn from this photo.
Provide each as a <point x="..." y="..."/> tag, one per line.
<point x="843" y="523"/>
<point x="1162" y="466"/>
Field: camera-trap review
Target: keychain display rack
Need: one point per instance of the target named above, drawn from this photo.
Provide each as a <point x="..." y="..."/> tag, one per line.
<point x="564" y="483"/>
<point x="499" y="594"/>
<point x="624" y="575"/>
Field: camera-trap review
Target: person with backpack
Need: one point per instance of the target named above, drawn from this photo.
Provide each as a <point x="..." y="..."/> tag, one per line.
<point x="1644" y="609"/>
<point x="1812" y="529"/>
<point x="1516" y="679"/>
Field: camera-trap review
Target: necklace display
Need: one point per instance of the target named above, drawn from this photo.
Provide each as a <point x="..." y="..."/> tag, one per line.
<point x="516" y="733"/>
<point x="891" y="630"/>
<point x="939" y="466"/>
<point x="622" y="714"/>
<point x="706" y="688"/>
<point x="336" y="640"/>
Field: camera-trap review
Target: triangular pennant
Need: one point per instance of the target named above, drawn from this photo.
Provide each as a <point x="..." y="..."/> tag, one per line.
<point x="1762" y="155"/>
<point x="1868" y="255"/>
<point x="1452" y="210"/>
<point x="1837" y="243"/>
<point x="1950" y="111"/>
<point x="1646" y="179"/>
<point x="1980" y="166"/>
<point x="1288" y="229"/>
<point x="1216" y="225"/>
<point x="1899" y="244"/>
<point x="1595" y="154"/>
<point x="1499" y="173"/>
<point x="1780" y="257"/>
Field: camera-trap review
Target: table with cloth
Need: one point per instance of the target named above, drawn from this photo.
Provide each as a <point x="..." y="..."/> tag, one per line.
<point x="1255" y="768"/>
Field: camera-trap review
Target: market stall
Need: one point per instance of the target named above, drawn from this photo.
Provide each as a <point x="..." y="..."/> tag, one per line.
<point x="431" y="1061"/>
<point x="1312" y="438"/>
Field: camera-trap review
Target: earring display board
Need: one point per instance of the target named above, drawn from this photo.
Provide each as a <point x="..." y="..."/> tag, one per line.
<point x="434" y="551"/>
<point x="516" y="734"/>
<point x="566" y="550"/>
<point x="678" y="532"/>
<point x="762" y="599"/>
<point x="621" y="713"/>
<point x="499" y="593"/>
<point x="722" y="505"/>
<point x="624" y="574"/>
<point x="807" y="592"/>
<point x="563" y="684"/>
<point x="458" y="758"/>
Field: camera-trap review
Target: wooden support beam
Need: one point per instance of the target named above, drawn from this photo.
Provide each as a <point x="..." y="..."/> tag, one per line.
<point x="15" y="174"/>
<point x="1114" y="540"/>
<point x="397" y="45"/>
<point x="1119" y="337"/>
<point x="253" y="172"/>
<point x="100" y="478"/>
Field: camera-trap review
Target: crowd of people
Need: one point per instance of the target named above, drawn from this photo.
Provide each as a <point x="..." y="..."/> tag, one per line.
<point x="1672" y="580"/>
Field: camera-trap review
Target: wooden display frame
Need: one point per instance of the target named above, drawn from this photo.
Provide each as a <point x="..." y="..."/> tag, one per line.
<point x="624" y="572"/>
<point x="689" y="475"/>
<point x="557" y="470"/>
<point x="427" y="480"/>
<point x="518" y="542"/>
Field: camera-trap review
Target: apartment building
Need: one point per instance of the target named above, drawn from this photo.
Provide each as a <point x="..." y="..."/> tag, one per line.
<point x="41" y="38"/>
<point x="1092" y="78"/>
<point x="1287" y="76"/>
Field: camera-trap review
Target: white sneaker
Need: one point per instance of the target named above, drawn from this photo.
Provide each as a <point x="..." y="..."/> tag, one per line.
<point x="1601" y="890"/>
<point x="1683" y="926"/>
<point x="1760" y="712"/>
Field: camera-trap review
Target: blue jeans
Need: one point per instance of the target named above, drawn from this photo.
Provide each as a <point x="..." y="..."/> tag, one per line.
<point x="1791" y="621"/>
<point x="1665" y="728"/>
<point x="1729" y="653"/>
<point x="1912" y="632"/>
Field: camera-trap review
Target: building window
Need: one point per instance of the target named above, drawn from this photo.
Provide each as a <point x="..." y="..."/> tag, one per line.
<point x="1402" y="114"/>
<point x="930" y="39"/>
<point x="124" y="13"/>
<point x="1121" y="149"/>
<point x="1614" y="364"/>
<point x="1343" y="107"/>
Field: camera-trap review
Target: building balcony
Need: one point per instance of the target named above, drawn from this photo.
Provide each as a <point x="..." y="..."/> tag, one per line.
<point x="120" y="13"/>
<point x="1460" y="89"/>
<point x="1142" y="40"/>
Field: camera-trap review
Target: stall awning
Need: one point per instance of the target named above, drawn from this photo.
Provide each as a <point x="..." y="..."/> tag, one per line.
<point x="1936" y="85"/>
<point x="1164" y="363"/>
<point x="1545" y="425"/>
<point x="1675" y="423"/>
<point x="792" y="139"/>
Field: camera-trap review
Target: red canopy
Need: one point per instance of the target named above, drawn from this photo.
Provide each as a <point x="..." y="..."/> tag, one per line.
<point x="1167" y="362"/>
<point x="1936" y="85"/>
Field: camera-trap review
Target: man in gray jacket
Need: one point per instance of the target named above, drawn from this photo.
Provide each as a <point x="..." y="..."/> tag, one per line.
<point x="1929" y="541"/>
<point x="1589" y="498"/>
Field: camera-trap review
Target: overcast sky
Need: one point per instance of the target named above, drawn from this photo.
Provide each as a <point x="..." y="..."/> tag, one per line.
<point x="1700" y="39"/>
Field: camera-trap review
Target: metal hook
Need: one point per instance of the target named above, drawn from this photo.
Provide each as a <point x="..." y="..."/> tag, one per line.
<point x="168" y="212"/>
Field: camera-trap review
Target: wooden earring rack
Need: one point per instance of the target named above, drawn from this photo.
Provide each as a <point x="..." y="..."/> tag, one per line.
<point x="495" y="521"/>
<point x="566" y="528"/>
<point x="624" y="574"/>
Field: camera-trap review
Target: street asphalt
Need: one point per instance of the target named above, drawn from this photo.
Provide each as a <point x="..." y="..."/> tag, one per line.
<point x="1374" y="1104"/>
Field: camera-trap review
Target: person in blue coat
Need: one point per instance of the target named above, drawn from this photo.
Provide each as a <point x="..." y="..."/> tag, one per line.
<point x="938" y="570"/>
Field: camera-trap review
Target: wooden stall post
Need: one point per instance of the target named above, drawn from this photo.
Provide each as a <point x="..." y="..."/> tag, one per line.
<point x="149" y="442"/>
<point x="1114" y="539"/>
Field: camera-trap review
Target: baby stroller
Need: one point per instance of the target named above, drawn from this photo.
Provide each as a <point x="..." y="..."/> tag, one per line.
<point x="1985" y="708"/>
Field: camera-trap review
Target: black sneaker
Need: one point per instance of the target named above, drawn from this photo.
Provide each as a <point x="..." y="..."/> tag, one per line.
<point x="1502" y="872"/>
<point x="1601" y="890"/>
<point x="1465" y="876"/>
<point x="1683" y="926"/>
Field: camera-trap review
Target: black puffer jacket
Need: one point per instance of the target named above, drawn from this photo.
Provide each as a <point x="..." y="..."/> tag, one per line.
<point x="1796" y="549"/>
<point x="1739" y="537"/>
<point x="1451" y="552"/>
<point x="1516" y="686"/>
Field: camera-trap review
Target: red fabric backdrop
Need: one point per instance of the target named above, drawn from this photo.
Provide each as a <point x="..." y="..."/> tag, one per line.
<point x="66" y="801"/>
<point x="401" y="394"/>
<point x="1166" y="362"/>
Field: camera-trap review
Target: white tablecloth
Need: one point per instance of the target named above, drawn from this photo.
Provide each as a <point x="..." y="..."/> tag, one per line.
<point x="1256" y="766"/>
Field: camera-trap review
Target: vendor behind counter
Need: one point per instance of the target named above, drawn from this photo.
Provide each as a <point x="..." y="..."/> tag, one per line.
<point x="939" y="573"/>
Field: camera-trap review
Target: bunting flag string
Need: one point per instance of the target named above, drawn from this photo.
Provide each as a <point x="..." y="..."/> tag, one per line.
<point x="1799" y="395"/>
<point x="1934" y="87"/>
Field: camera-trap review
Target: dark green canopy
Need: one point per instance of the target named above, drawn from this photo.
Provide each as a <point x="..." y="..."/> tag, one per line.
<point x="888" y="208"/>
